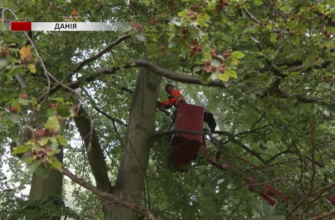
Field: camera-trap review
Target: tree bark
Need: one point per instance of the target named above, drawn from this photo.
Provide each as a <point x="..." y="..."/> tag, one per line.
<point x="95" y="155"/>
<point x="51" y="186"/>
<point x="134" y="163"/>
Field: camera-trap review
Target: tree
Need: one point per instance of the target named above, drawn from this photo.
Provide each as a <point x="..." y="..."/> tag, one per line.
<point x="263" y="67"/>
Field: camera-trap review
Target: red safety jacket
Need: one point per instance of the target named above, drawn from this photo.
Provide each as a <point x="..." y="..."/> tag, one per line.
<point x="174" y="99"/>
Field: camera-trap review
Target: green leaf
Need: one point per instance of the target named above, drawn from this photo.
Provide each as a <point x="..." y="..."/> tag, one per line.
<point x="330" y="2"/>
<point x="253" y="96"/>
<point x="44" y="140"/>
<point x="201" y="22"/>
<point x="206" y="56"/>
<point x="257" y="2"/>
<point x="237" y="54"/>
<point x="204" y="16"/>
<point x="63" y="110"/>
<point x="21" y="149"/>
<point x="231" y="73"/>
<point x="32" y="168"/>
<point x="59" y="99"/>
<point x="32" y="68"/>
<point x="205" y="77"/>
<point x="53" y="152"/>
<point x="331" y="29"/>
<point x="140" y="36"/>
<point x="273" y="37"/>
<point x="3" y="63"/>
<point x="152" y="48"/>
<point x="215" y="62"/>
<point x="224" y="77"/>
<point x="183" y="13"/>
<point x="56" y="163"/>
<point x="62" y="141"/>
<point x="23" y="101"/>
<point x="14" y="117"/>
<point x="52" y="123"/>
<point x="43" y="170"/>
<point x="321" y="8"/>
<point x="197" y="69"/>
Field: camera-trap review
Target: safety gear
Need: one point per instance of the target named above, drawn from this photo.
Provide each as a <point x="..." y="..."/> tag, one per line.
<point x="168" y="88"/>
<point x="175" y="97"/>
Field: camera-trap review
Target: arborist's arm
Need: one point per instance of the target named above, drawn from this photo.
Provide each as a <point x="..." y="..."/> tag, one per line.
<point x="169" y="102"/>
<point x="164" y="104"/>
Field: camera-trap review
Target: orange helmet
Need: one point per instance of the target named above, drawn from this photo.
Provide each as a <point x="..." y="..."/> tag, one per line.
<point x="168" y="87"/>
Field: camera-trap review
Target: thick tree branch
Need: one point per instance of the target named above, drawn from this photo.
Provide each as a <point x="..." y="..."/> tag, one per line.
<point x="108" y="196"/>
<point x="95" y="153"/>
<point x="180" y="78"/>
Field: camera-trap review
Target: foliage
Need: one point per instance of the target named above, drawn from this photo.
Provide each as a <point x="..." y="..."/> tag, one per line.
<point x="266" y="70"/>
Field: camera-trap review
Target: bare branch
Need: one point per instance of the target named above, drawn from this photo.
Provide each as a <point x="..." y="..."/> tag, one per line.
<point x="108" y="48"/>
<point x="272" y="165"/>
<point x="323" y="216"/>
<point x="109" y="117"/>
<point x="277" y="53"/>
<point x="251" y="16"/>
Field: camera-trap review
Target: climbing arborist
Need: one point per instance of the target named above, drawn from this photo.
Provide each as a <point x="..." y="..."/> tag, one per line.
<point x="175" y="97"/>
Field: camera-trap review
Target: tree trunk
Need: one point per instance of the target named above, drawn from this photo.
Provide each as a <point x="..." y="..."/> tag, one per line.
<point x="51" y="187"/>
<point x="134" y="163"/>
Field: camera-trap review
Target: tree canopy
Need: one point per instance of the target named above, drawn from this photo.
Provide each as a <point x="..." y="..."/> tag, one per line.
<point x="83" y="105"/>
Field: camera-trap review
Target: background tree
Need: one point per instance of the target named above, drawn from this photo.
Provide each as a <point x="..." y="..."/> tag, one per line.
<point x="265" y="68"/>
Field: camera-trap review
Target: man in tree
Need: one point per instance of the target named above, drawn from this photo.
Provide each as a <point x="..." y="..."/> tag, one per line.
<point x="175" y="97"/>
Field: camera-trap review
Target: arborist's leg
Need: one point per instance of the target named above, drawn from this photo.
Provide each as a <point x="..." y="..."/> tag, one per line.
<point x="174" y="116"/>
<point x="209" y="119"/>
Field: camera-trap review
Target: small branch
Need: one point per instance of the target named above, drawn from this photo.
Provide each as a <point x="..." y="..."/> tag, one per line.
<point x="109" y="117"/>
<point x="257" y="121"/>
<point x="306" y="69"/>
<point x="21" y="81"/>
<point x="167" y="133"/>
<point x="109" y="47"/>
<point x="272" y="165"/>
<point x="323" y="216"/>
<point x="132" y="206"/>
<point x="253" y="130"/>
<point x="277" y="53"/>
<point x="253" y="153"/>
<point x="98" y="209"/>
<point x="251" y="16"/>
<point x="278" y="154"/>
<point x="275" y="180"/>
<point x="324" y="189"/>
<point x="313" y="159"/>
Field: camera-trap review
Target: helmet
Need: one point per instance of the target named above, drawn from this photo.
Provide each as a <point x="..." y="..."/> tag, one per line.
<point x="168" y="87"/>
